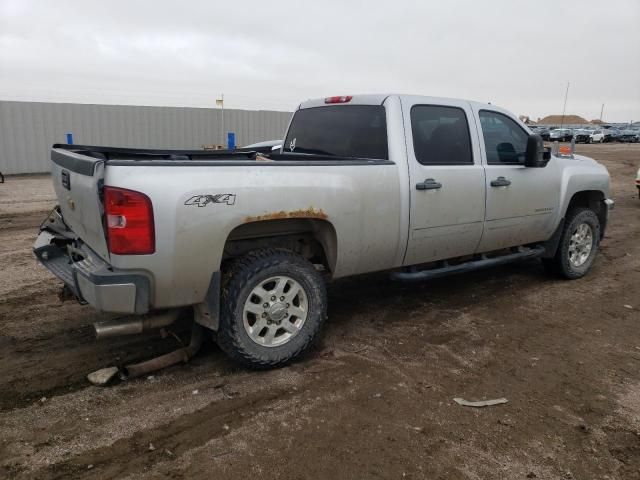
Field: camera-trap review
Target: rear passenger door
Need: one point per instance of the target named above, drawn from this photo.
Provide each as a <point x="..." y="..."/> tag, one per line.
<point x="447" y="183"/>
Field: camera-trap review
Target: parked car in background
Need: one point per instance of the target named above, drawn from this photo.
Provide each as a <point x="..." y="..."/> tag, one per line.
<point x="628" y="136"/>
<point x="597" y="136"/>
<point x="560" y="135"/>
<point x="266" y="146"/>
<point x="543" y="132"/>
<point x="582" y="135"/>
<point x="611" y="135"/>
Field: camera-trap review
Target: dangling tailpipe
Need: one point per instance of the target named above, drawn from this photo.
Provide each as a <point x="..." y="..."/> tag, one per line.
<point x="119" y="326"/>
<point x="181" y="355"/>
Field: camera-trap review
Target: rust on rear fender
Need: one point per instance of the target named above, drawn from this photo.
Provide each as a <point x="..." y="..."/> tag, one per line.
<point x="302" y="213"/>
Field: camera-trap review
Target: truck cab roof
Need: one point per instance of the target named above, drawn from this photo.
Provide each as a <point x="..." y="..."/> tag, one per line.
<point x="379" y="99"/>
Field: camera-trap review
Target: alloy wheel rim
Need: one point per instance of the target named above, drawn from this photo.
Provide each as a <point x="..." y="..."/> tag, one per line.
<point x="580" y="245"/>
<point x="275" y="311"/>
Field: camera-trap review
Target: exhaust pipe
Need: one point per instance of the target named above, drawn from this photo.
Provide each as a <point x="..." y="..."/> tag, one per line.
<point x="183" y="354"/>
<point x="119" y="326"/>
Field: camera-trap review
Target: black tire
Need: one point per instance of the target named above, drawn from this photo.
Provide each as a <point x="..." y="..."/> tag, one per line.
<point x="560" y="264"/>
<point x="588" y="139"/>
<point x="242" y="277"/>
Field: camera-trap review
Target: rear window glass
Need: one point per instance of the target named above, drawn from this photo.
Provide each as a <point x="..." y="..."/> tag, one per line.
<point x="440" y="135"/>
<point x="344" y="130"/>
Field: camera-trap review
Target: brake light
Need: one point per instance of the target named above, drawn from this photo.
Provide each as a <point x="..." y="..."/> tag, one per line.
<point x="130" y="228"/>
<point x="343" y="99"/>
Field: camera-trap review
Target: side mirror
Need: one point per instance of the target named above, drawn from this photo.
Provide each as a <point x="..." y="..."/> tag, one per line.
<point x="536" y="155"/>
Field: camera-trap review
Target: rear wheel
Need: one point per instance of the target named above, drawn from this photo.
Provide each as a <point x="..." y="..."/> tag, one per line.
<point x="578" y="245"/>
<point x="273" y="305"/>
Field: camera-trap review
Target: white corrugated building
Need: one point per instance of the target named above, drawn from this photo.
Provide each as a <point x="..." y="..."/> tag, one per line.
<point x="28" y="129"/>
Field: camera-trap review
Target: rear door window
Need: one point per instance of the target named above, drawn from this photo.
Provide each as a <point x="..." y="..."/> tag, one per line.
<point x="440" y="135"/>
<point x="356" y="131"/>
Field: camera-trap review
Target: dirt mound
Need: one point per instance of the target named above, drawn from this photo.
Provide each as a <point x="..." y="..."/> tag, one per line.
<point x="567" y="120"/>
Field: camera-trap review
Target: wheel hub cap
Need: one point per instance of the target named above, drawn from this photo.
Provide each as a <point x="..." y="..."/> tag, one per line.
<point x="580" y="245"/>
<point x="275" y="311"/>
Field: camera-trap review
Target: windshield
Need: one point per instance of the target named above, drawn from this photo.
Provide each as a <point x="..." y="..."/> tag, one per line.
<point x="358" y="131"/>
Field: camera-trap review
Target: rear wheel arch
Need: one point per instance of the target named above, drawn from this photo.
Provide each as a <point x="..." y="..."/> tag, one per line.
<point x="313" y="239"/>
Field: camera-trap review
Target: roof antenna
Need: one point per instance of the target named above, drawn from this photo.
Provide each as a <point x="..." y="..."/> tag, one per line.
<point x="566" y="94"/>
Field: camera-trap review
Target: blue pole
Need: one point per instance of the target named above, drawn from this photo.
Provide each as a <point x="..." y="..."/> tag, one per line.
<point x="231" y="140"/>
<point x="69" y="138"/>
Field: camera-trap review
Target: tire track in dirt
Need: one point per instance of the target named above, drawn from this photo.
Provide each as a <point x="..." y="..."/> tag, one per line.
<point x="131" y="455"/>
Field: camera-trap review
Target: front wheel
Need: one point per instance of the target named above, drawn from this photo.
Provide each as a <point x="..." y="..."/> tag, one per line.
<point x="578" y="245"/>
<point x="273" y="305"/>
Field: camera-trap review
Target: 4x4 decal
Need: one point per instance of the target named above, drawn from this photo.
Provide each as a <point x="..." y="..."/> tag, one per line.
<point x="204" y="200"/>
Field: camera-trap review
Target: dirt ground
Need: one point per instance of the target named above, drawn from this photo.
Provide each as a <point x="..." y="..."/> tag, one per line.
<point x="373" y="400"/>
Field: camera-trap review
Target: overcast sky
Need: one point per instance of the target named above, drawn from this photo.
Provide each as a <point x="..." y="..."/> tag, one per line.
<point x="273" y="54"/>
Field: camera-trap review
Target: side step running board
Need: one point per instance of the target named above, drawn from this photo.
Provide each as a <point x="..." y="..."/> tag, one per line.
<point x="420" y="275"/>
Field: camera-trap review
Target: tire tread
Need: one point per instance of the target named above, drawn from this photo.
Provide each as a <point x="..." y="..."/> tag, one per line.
<point x="238" y="274"/>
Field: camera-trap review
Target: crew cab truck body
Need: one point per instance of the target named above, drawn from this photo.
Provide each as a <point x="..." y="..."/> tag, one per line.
<point x="421" y="186"/>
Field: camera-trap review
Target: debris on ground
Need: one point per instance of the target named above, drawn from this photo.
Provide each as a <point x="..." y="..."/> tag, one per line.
<point x="102" y="376"/>
<point x="482" y="403"/>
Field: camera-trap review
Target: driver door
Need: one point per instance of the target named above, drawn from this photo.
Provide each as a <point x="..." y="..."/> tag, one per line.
<point x="522" y="203"/>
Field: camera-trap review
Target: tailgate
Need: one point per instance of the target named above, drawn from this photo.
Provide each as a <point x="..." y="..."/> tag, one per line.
<point x="77" y="180"/>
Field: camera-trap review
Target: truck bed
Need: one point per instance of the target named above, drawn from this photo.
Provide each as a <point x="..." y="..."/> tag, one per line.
<point x="82" y="158"/>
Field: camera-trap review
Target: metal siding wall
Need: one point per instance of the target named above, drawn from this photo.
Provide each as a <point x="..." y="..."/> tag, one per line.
<point x="28" y="129"/>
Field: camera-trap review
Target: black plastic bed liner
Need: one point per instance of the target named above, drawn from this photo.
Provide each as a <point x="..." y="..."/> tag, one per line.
<point x="119" y="153"/>
<point x="139" y="156"/>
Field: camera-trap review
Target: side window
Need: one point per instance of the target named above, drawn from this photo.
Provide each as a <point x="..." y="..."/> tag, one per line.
<point x="504" y="140"/>
<point x="441" y="135"/>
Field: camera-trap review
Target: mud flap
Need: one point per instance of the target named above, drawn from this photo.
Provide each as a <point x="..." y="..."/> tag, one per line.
<point x="207" y="313"/>
<point x="551" y="245"/>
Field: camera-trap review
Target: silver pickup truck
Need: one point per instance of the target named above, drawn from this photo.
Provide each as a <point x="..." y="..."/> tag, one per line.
<point x="420" y="186"/>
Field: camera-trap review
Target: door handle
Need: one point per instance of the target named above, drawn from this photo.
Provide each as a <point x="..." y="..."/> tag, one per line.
<point x="500" y="182"/>
<point x="428" y="184"/>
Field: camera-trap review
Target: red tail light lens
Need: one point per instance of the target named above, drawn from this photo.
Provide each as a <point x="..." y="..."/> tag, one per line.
<point x="130" y="229"/>
<point x="343" y="99"/>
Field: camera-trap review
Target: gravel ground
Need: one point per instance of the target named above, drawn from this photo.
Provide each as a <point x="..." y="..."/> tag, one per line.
<point x="375" y="397"/>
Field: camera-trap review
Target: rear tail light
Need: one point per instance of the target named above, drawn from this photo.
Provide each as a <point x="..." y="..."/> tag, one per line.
<point x="130" y="229"/>
<point x="343" y="99"/>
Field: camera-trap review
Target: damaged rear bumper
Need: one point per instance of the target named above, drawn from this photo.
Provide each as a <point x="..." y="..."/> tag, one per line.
<point x="89" y="277"/>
